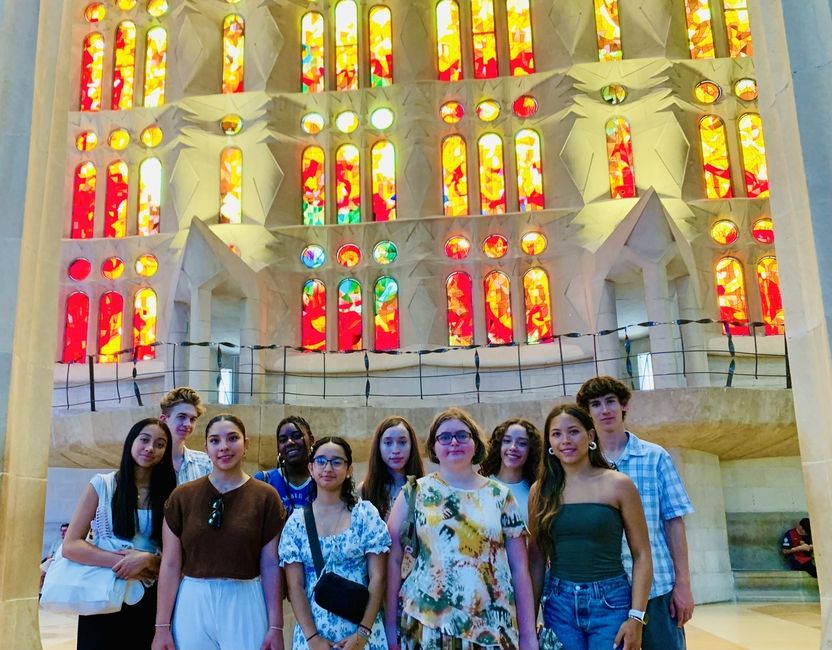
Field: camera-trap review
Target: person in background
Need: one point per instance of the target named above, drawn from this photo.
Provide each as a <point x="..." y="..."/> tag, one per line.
<point x="291" y="477"/>
<point x="798" y="549"/>
<point x="46" y="562"/>
<point x="181" y="407"/>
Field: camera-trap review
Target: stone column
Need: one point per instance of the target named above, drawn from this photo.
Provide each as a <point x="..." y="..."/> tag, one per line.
<point x="199" y="358"/>
<point x="608" y="346"/>
<point x="250" y="335"/>
<point x="658" y="302"/>
<point x="694" y="335"/>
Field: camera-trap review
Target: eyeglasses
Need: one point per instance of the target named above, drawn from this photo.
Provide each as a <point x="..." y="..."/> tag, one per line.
<point x="323" y="461"/>
<point x="461" y="437"/>
<point x="215" y="516"/>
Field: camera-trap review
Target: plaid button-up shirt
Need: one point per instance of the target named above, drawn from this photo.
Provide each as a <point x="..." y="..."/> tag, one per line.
<point x="195" y="464"/>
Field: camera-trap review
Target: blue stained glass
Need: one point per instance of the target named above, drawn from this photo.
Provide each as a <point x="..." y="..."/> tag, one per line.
<point x="313" y="256"/>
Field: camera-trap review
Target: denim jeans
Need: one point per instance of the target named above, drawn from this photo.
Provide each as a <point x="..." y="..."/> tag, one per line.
<point x="661" y="632"/>
<point x="586" y="615"/>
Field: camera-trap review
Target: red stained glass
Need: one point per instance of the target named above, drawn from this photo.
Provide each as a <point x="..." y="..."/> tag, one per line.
<point x="110" y="314"/>
<point x="381" y="47"/>
<point x="124" y="67"/>
<point x="492" y="174"/>
<point x="79" y="269"/>
<point x="92" y="72"/>
<point x="231" y="185"/>
<point x="457" y="247"/>
<point x="448" y="41"/>
<point x="620" y="155"/>
<point x="233" y="54"/>
<point x="83" y="201"/>
<point x="454" y="176"/>
<point x="451" y="112"/>
<point x="753" y="148"/>
<point x="700" y="33"/>
<point x="725" y="232"/>
<point x="525" y="106"/>
<point x="520" y="44"/>
<point x="155" y="66"/>
<point x="349" y="315"/>
<point x="485" y="40"/>
<point x="715" y="164"/>
<point x="349" y="256"/>
<point x="730" y="291"/>
<point x="112" y="268"/>
<point x="768" y="280"/>
<point x="763" y="230"/>
<point x="495" y="246"/>
<point x="386" y="310"/>
<point x="75" y="327"/>
<point x="144" y="325"/>
<point x="314" y="188"/>
<point x="313" y="317"/>
<point x="498" y="325"/>
<point x="312" y="52"/>
<point x="383" y="172"/>
<point x="538" y="307"/>
<point x="529" y="171"/>
<point x="115" y="201"/>
<point x="459" y="289"/>
<point x="347" y="184"/>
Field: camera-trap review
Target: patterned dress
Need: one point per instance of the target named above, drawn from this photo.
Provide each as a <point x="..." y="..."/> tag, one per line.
<point x="459" y="594"/>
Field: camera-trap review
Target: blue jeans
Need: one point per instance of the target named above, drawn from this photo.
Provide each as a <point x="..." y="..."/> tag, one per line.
<point x="586" y="615"/>
<point x="661" y="632"/>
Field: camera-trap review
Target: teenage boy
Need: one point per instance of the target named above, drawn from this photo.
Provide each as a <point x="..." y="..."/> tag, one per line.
<point x="291" y="477"/>
<point x="665" y="503"/>
<point x="180" y="409"/>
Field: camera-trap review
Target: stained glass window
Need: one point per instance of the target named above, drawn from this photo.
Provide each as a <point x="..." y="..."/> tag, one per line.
<point x="454" y="177"/>
<point x="313" y="256"/>
<point x="312" y="52"/>
<point x="700" y="33"/>
<point x="715" y="165"/>
<point x="144" y="324"/>
<point x="231" y="185"/>
<point x="83" y="201"/>
<point x="608" y="29"/>
<point x="485" y="40"/>
<point x="76" y="321"/>
<point x="118" y="139"/>
<point x="348" y="256"/>
<point x="533" y="243"/>
<point x="768" y="281"/>
<point x="349" y="315"/>
<point x="151" y="136"/>
<point x="115" y="200"/>
<point x="314" y="188"/>
<point x="738" y="27"/>
<point x="146" y="265"/>
<point x="448" y="41"/>
<point x="492" y="174"/>
<point x="312" y="123"/>
<point x="525" y="106"/>
<point x="495" y="246"/>
<point x="346" y="45"/>
<point x="92" y="72"/>
<point x="155" y="67"/>
<point x="497" y="289"/>
<point x="382" y="118"/>
<point x="347" y="184"/>
<point x="313" y="316"/>
<point x="529" y="171"/>
<point x="110" y="314"/>
<point x="383" y="173"/>
<point x="112" y="268"/>
<point x="451" y="112"/>
<point x="457" y="247"/>
<point x="753" y="148"/>
<point x="79" y="269"/>
<point x="746" y="89"/>
<point x="386" y="310"/>
<point x="707" y="92"/>
<point x="150" y="196"/>
<point x="86" y="141"/>
<point x="347" y="121"/>
<point x="725" y="232"/>
<point x="231" y="124"/>
<point x="381" y="47"/>
<point x="520" y="44"/>
<point x="124" y="67"/>
<point x="459" y="290"/>
<point x="614" y="94"/>
<point x="730" y="291"/>
<point x="233" y="54"/>
<point x="488" y="110"/>
<point x="763" y="230"/>
<point x="385" y="252"/>
<point x="538" y="307"/>
<point x="620" y="155"/>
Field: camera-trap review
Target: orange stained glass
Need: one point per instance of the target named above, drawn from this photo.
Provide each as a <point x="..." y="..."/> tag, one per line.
<point x="492" y="174"/>
<point x="753" y="147"/>
<point x="231" y="185"/>
<point x="707" y="92"/>
<point x="95" y="12"/>
<point x="715" y="165"/>
<point x="738" y="28"/>
<point x="485" y="39"/>
<point x="386" y="312"/>
<point x="346" y="45"/>
<point x="608" y="30"/>
<point x="348" y="256"/>
<point x="620" y="156"/>
<point x="83" y="201"/>
<point x="746" y="89"/>
<point x="350" y="330"/>
<point x="76" y="321"/>
<point x="533" y="243"/>
<point x="92" y="72"/>
<point x="725" y="232"/>
<point x="347" y="184"/>
<point x="529" y="171"/>
<point x="155" y="67"/>
<point x="314" y="187"/>
<point x="383" y="173"/>
<point x="538" y="306"/>
<point x="730" y="291"/>
<point x="124" y="67"/>
<point x="152" y="136"/>
<point x="231" y="124"/>
<point x="520" y="43"/>
<point x="144" y="324"/>
<point x="115" y="200"/>
<point x="313" y="316"/>
<point x="495" y="246"/>
<point x="86" y="141"/>
<point x="457" y="247"/>
<point x="110" y="315"/>
<point x="700" y="32"/>
<point x="498" y="325"/>
<point x="312" y="52"/>
<point x="112" y="268"/>
<point x="454" y="176"/>
<point x="381" y="47"/>
<point x="768" y="281"/>
<point x="763" y="230"/>
<point x="150" y="196"/>
<point x="448" y="41"/>
<point x="233" y="54"/>
<point x="459" y="291"/>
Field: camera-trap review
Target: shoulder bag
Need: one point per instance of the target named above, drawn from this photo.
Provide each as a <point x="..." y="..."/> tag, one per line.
<point x="408" y="534"/>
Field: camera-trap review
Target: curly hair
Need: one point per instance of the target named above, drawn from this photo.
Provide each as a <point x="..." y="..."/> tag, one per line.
<point x="455" y="413"/>
<point x="493" y="458"/>
<point x="348" y="486"/>
<point x="181" y="395"/>
<point x="600" y="386"/>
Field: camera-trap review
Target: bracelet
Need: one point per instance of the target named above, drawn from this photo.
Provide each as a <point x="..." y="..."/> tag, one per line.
<point x="364" y="632"/>
<point x="309" y="638"/>
<point x="161" y="625"/>
<point x="276" y="627"/>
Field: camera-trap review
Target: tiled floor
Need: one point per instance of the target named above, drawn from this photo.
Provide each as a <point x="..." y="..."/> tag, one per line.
<point x="724" y="626"/>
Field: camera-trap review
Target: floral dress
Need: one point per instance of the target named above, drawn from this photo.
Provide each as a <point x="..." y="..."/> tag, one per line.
<point x="460" y="593"/>
<point x="345" y="554"/>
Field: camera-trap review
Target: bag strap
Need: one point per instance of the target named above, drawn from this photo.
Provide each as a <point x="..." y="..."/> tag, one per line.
<point x="411" y="513"/>
<point x="314" y="542"/>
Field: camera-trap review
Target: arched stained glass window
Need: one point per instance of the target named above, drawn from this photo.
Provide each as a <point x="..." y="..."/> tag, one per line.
<point x="620" y="155"/>
<point x="768" y="281"/>
<point x="492" y="174"/>
<point x="700" y="32"/>
<point x="715" y="164"/>
<point x="349" y="315"/>
<point x="124" y="67"/>
<point x="529" y="171"/>
<point x="231" y="185"/>
<point x="150" y="196"/>
<point x="312" y="52"/>
<point x="383" y="172"/>
<point x="115" y="200"/>
<point x="381" y="47"/>
<point x="738" y="28"/>
<point x="313" y="316"/>
<point x="448" y="41"/>
<point x="485" y="39"/>
<point x="498" y="325"/>
<point x="753" y="148"/>
<point x="347" y="184"/>
<point x="459" y="290"/>
<point x="386" y="310"/>
<point x="608" y="29"/>
<point x="233" y="54"/>
<point x="730" y="291"/>
<point x="76" y="319"/>
<point x="92" y="72"/>
<point x="144" y="324"/>
<point x="110" y="314"/>
<point x="454" y="176"/>
<point x="155" y="67"/>
<point x="346" y="45"/>
<point x="520" y="44"/>
<point x="314" y="187"/>
<point x="538" y="307"/>
<point x="83" y="201"/>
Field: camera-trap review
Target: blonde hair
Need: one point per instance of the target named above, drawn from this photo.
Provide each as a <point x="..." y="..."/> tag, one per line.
<point x="181" y="395"/>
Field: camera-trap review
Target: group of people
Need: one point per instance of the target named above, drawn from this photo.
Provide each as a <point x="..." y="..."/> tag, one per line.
<point x="462" y="558"/>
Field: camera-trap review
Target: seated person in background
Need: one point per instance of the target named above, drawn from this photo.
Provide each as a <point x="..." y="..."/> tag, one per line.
<point x="46" y="562"/>
<point x="797" y="548"/>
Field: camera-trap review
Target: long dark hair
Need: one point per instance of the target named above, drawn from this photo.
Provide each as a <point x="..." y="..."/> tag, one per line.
<point x="162" y="482"/>
<point x="226" y="417"/>
<point x="493" y="459"/>
<point x="348" y="486"/>
<point x="376" y="487"/>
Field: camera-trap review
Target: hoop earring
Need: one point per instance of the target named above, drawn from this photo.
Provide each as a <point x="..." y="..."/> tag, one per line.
<point x="593" y="445"/>
<point x="551" y="452"/>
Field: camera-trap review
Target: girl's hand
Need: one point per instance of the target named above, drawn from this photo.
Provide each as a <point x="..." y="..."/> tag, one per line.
<point x="352" y="642"/>
<point x="320" y="643"/>
<point x="629" y="635"/>
<point x="529" y="642"/>
<point x="133" y="564"/>
<point x="163" y="639"/>
<point x="273" y="640"/>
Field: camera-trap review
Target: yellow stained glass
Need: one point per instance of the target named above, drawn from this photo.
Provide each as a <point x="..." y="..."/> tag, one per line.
<point x="152" y="136"/>
<point x="86" y="141"/>
<point x="707" y="92"/>
<point x="738" y="28"/>
<point x="150" y="196"/>
<point x="488" y="110"/>
<point x="95" y="12"/>
<point x="730" y="290"/>
<point x="125" y="5"/>
<point x="768" y="281"/>
<point x="457" y="247"/>
<point x="346" y="45"/>
<point x="147" y="265"/>
<point x="312" y="52"/>
<point x="157" y="8"/>
<point x="115" y="199"/>
<point x="144" y="325"/>
<point x="533" y="243"/>
<point x="529" y="171"/>
<point x="763" y="230"/>
<point x="312" y="123"/>
<point x="313" y="166"/>
<point x="620" y="156"/>
<point x="614" y="94"/>
<point x="92" y="72"/>
<point x="448" y="41"/>
<point x="746" y="89"/>
<point x="110" y="320"/>
<point x="498" y="323"/>
<point x="715" y="166"/>
<point x="347" y="184"/>
<point x="753" y="148"/>
<point x="231" y="185"/>
<point x="381" y="47"/>
<point x="451" y="112"/>
<point x="383" y="170"/>
<point x="700" y="32"/>
<point x="492" y="174"/>
<point x="520" y="44"/>
<point x="118" y="139"/>
<point x="112" y="268"/>
<point x="231" y="124"/>
<point x="725" y="232"/>
<point x="485" y="40"/>
<point x="454" y="177"/>
<point x="124" y="67"/>
<point x="233" y="54"/>
<point x="346" y="121"/>
<point x="538" y="306"/>
<point x="608" y="29"/>
<point x="155" y="67"/>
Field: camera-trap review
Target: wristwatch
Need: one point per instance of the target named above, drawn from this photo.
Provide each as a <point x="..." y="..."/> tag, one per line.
<point x="638" y="615"/>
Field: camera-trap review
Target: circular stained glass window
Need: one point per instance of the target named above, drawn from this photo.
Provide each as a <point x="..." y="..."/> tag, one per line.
<point x="614" y="94"/>
<point x="231" y="124"/>
<point x="157" y="8"/>
<point x="746" y="89"/>
<point x="313" y="256"/>
<point x="385" y="252"/>
<point x="125" y="5"/>
<point x="457" y="247"/>
<point x="152" y="136"/>
<point x="86" y="141"/>
<point x="112" y="268"/>
<point x="533" y="243"/>
<point x="707" y="92"/>
<point x="147" y="265"/>
<point x="451" y="112"/>
<point x="118" y="139"/>
<point x="95" y="12"/>
<point x="381" y="118"/>
<point x="488" y="110"/>
<point x="79" y="269"/>
<point x="763" y="230"/>
<point x="525" y="106"/>
<point x="312" y="123"/>
<point x="346" y="122"/>
<point x="495" y="246"/>
<point x="725" y="232"/>
<point x="348" y="256"/>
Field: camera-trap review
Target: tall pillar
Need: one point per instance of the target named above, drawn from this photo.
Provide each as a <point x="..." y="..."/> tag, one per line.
<point x="200" y="377"/>
<point x="608" y="346"/>
<point x="693" y="335"/>
<point x="251" y="379"/>
<point x="659" y="308"/>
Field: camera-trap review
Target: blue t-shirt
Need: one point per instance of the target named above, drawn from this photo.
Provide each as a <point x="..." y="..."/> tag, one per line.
<point x="293" y="496"/>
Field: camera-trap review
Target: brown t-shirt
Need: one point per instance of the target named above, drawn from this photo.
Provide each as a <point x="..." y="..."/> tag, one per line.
<point x="252" y="516"/>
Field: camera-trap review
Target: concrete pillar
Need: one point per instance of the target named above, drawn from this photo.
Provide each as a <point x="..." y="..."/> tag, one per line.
<point x="608" y="346"/>
<point x="199" y="358"/>
<point x="177" y="333"/>
<point x="658" y="301"/>
<point x="250" y="335"/>
<point x="694" y="335"/>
